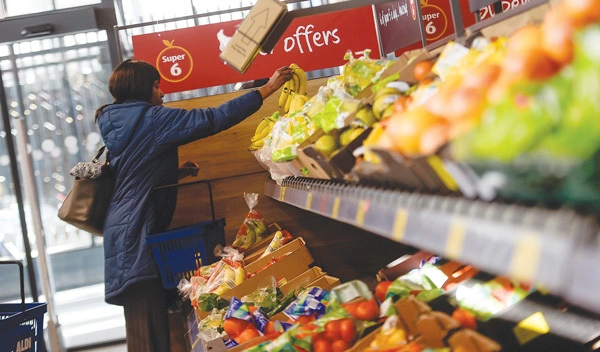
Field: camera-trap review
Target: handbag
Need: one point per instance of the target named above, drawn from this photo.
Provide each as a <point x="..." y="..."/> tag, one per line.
<point x="87" y="203"/>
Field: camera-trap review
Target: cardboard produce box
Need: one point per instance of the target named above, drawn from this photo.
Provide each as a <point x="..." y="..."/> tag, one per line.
<point x="252" y="32"/>
<point x="293" y="264"/>
<point x="303" y="279"/>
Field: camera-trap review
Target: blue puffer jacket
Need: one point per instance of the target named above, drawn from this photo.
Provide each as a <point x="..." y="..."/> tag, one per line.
<point x="144" y="156"/>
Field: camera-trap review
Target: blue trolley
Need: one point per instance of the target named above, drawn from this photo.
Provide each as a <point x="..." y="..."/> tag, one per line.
<point x="22" y="325"/>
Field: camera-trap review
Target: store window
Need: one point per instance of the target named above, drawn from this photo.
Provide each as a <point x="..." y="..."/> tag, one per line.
<point x="9" y="8"/>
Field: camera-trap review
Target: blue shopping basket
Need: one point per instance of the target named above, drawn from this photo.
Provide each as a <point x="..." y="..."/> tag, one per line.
<point x="179" y="252"/>
<point x="22" y="325"/>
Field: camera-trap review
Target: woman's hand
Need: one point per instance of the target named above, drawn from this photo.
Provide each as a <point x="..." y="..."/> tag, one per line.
<point x="277" y="80"/>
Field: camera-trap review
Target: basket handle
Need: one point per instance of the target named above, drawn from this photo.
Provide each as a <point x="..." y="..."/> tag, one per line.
<point x="21" y="279"/>
<point x="208" y="185"/>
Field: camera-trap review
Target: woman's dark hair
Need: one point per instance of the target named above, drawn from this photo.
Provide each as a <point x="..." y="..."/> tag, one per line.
<point x="131" y="80"/>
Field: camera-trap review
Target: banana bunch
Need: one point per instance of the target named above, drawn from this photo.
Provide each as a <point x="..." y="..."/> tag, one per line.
<point x="262" y="131"/>
<point x="294" y="87"/>
<point x="252" y="231"/>
<point x="230" y="278"/>
<point x="383" y="102"/>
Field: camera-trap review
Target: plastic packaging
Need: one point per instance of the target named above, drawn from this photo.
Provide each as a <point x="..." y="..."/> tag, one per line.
<point x="253" y="229"/>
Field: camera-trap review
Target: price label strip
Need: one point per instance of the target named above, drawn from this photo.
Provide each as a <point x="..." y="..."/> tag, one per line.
<point x="526" y="257"/>
<point x="336" y="208"/>
<point x="309" y="200"/>
<point x="456" y="238"/>
<point x="399" y="228"/>
<point x="282" y="194"/>
<point x="363" y="207"/>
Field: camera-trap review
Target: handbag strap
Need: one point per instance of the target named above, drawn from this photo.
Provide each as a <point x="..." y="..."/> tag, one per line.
<point x="103" y="148"/>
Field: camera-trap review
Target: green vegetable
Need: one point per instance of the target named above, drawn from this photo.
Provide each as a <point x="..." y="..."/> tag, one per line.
<point x="208" y="301"/>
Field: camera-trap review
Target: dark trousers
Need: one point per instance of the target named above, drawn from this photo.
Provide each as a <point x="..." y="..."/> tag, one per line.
<point x="146" y="317"/>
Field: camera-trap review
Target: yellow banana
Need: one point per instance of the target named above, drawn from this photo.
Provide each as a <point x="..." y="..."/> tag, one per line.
<point x="262" y="131"/>
<point x="288" y="102"/>
<point x="284" y="93"/>
<point x="240" y="275"/>
<point x="298" y="102"/>
<point x="301" y="75"/>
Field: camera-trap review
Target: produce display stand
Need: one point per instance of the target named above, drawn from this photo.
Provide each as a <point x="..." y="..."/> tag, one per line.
<point x="553" y="248"/>
<point x="22" y="324"/>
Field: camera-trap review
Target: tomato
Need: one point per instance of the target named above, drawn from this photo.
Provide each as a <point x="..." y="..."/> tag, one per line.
<point x="339" y="346"/>
<point x="270" y="328"/>
<point x="332" y="330"/>
<point x="304" y="331"/>
<point x="347" y="330"/>
<point x="321" y="345"/>
<point x="234" y="327"/>
<point x="351" y="307"/>
<point x="367" y="310"/>
<point x="247" y="335"/>
<point x="305" y="319"/>
<point x="252" y="309"/>
<point x="464" y="318"/>
<point x="381" y="290"/>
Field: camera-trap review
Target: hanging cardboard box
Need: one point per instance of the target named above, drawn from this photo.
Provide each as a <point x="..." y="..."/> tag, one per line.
<point x="254" y="29"/>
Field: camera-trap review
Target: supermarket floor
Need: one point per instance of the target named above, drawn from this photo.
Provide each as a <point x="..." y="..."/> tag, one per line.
<point x="121" y="347"/>
<point x="86" y="320"/>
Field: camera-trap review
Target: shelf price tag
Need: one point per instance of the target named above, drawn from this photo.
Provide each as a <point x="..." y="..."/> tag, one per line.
<point x="456" y="238"/>
<point x="363" y="207"/>
<point x="399" y="225"/>
<point x="282" y="194"/>
<point x="526" y="257"/>
<point x="336" y="208"/>
<point x="309" y="200"/>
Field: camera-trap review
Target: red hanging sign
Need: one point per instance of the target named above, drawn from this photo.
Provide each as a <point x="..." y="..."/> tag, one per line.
<point x="188" y="58"/>
<point x="437" y="18"/>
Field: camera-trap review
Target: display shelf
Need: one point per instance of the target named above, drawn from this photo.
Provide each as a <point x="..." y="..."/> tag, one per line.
<point x="556" y="249"/>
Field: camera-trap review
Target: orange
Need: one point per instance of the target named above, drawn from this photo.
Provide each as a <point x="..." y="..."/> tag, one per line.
<point x="582" y="12"/>
<point x="434" y="138"/>
<point x="234" y="327"/>
<point x="406" y="128"/>
<point x="557" y="37"/>
<point x="524" y="39"/>
<point x="422" y="70"/>
<point x="481" y="76"/>
<point x="247" y="335"/>
<point x="533" y="65"/>
<point x="464" y="102"/>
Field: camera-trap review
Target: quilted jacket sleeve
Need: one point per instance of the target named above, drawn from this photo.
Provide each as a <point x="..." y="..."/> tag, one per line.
<point x="175" y="127"/>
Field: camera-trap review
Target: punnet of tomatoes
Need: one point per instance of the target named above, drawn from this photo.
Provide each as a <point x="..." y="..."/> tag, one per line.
<point x="363" y="310"/>
<point x="338" y="335"/>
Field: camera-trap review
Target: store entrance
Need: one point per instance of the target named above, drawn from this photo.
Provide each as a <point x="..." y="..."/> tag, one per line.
<point x="53" y="85"/>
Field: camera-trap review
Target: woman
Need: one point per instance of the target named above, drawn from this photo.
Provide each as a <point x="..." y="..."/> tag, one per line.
<point x="142" y="137"/>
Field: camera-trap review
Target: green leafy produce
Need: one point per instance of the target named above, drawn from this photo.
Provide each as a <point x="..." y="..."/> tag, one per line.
<point x="210" y="301"/>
